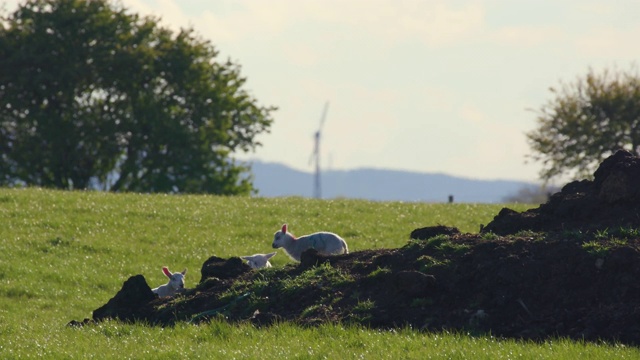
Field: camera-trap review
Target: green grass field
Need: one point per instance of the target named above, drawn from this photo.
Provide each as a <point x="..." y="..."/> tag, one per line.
<point x="65" y="254"/>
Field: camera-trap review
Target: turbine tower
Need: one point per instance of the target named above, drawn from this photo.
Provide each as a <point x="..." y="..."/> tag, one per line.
<point x="315" y="155"/>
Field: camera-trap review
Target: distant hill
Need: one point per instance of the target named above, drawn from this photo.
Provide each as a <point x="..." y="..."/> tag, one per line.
<point x="272" y="180"/>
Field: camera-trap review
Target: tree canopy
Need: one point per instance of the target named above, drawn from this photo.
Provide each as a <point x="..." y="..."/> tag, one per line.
<point x="94" y="96"/>
<point x="587" y="121"/>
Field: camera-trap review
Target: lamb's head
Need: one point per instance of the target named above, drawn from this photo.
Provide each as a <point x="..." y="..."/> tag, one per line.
<point x="259" y="261"/>
<point x="176" y="280"/>
<point x="281" y="237"/>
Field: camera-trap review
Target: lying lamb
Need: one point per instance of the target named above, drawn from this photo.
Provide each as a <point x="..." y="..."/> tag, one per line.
<point x="175" y="284"/>
<point x="325" y="243"/>
<point x="258" y="261"/>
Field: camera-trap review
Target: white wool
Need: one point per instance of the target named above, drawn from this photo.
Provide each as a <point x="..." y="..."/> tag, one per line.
<point x="258" y="261"/>
<point x="175" y="284"/>
<point x="326" y="243"/>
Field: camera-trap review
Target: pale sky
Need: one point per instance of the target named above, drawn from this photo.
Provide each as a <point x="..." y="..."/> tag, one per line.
<point x="441" y="86"/>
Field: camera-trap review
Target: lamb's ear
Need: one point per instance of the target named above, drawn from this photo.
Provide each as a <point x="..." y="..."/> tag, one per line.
<point x="284" y="229"/>
<point x="184" y="272"/>
<point x="166" y="271"/>
<point x="269" y="256"/>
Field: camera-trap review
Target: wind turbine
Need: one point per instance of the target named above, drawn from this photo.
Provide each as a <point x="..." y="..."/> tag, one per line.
<point x="315" y="155"/>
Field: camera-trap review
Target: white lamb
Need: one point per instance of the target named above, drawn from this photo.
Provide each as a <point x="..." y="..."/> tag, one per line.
<point x="175" y="284"/>
<point x="325" y="243"/>
<point x="259" y="261"/>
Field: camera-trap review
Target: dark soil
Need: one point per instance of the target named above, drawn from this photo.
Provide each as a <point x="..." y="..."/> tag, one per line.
<point x="611" y="200"/>
<point x="568" y="268"/>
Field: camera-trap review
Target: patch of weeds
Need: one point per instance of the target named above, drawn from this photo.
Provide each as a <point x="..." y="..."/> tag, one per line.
<point x="490" y="236"/>
<point x="535" y="236"/>
<point x="379" y="272"/>
<point x="443" y="244"/>
<point x="450" y="247"/>
<point x="436" y="241"/>
<point x="430" y="243"/>
<point x="329" y="274"/>
<point x="357" y="264"/>
<point x="595" y="248"/>
<point x="163" y="306"/>
<point x="525" y="233"/>
<point x="233" y="294"/>
<point x="310" y="311"/>
<point x="364" y="306"/>
<point x="178" y="300"/>
<point x="629" y="232"/>
<point x="618" y="242"/>
<point x="414" y="245"/>
<point x="240" y="286"/>
<point x="362" y="311"/>
<point x="319" y="277"/>
<point x="332" y="298"/>
<point x="602" y="234"/>
<point x="258" y="286"/>
<point x="255" y="302"/>
<point x="427" y="263"/>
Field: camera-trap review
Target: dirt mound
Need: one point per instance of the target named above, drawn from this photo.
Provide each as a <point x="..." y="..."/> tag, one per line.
<point x="578" y="282"/>
<point x="611" y="200"/>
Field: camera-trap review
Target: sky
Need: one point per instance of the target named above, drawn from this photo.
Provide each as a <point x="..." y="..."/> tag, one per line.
<point x="432" y="86"/>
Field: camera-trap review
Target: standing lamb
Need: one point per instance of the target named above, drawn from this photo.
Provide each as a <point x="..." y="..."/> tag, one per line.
<point x="258" y="261"/>
<point x="325" y="243"/>
<point x="175" y="284"/>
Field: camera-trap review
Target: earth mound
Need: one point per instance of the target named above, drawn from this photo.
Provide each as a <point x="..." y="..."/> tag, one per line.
<point x="611" y="200"/>
<point x="561" y="270"/>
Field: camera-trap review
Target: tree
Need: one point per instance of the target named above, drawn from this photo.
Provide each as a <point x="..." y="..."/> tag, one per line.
<point x="91" y="95"/>
<point x="531" y="195"/>
<point x="586" y="122"/>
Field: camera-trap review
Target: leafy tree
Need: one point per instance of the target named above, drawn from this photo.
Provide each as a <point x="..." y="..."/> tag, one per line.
<point x="92" y="95"/>
<point x="586" y="122"/>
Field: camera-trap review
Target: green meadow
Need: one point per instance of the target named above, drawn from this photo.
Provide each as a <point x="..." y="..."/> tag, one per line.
<point x="65" y="254"/>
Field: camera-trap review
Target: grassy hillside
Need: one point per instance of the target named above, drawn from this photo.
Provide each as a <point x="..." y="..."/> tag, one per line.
<point x="67" y="253"/>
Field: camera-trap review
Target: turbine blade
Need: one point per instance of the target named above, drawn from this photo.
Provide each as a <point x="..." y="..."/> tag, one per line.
<point x="324" y="116"/>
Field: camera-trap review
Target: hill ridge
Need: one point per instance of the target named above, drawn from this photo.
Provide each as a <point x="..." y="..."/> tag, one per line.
<point x="276" y="179"/>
